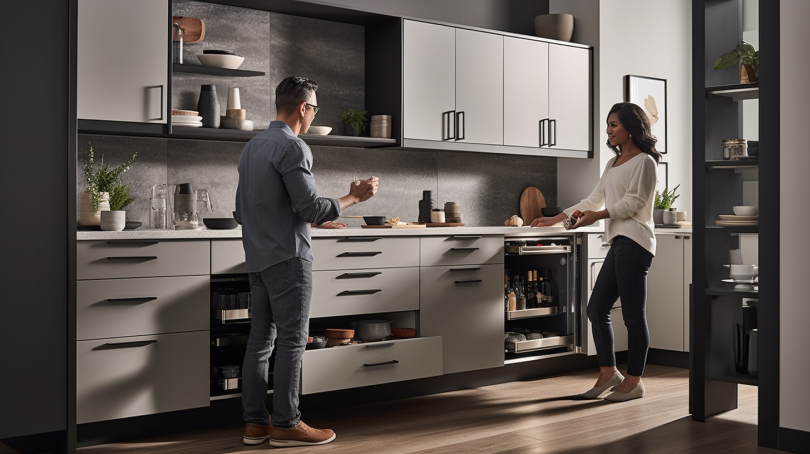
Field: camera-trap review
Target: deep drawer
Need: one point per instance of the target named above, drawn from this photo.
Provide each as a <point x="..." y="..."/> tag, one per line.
<point x="364" y="252"/>
<point x="119" y="378"/>
<point x="227" y="257"/>
<point x="133" y="307"/>
<point x="353" y="366"/>
<point x="461" y="250"/>
<point x="365" y="291"/>
<point x="597" y="247"/>
<point x="118" y="259"/>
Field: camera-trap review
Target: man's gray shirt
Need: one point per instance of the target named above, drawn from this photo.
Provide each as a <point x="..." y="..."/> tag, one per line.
<point x="276" y="199"/>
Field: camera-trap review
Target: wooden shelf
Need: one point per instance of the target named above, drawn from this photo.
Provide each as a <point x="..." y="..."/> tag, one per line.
<point x="200" y="69"/>
<point x="722" y="291"/>
<point x="737" y="92"/>
<point x="733" y="164"/>
<point x="234" y="135"/>
<point x="740" y="379"/>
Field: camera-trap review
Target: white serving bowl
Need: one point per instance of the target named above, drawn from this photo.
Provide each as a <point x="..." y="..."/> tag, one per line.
<point x="221" y="60"/>
<point x="319" y="130"/>
<point x="745" y="210"/>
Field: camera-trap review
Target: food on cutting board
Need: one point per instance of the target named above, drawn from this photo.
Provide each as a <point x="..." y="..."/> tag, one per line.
<point x="330" y="225"/>
<point x="514" y="220"/>
<point x="393" y="221"/>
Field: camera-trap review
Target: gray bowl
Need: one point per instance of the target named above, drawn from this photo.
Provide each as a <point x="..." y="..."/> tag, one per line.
<point x="372" y="330"/>
<point x="374" y="220"/>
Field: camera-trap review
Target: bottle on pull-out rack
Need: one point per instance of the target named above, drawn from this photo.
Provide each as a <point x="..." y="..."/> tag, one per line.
<point x="548" y="291"/>
<point x="531" y="301"/>
<point x="521" y="294"/>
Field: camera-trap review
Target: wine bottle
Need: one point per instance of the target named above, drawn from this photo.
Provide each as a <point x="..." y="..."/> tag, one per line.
<point x="521" y="295"/>
<point x="530" y="296"/>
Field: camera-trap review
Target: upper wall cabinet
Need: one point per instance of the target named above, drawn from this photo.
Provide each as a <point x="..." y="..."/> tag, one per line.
<point x="569" y="98"/>
<point x="123" y="59"/>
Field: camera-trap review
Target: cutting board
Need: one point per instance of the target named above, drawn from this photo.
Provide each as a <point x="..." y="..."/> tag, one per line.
<point x="406" y="226"/>
<point x="531" y="201"/>
<point x="193" y="28"/>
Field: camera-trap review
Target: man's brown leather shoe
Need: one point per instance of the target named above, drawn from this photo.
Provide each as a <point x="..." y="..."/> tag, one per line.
<point x="300" y="435"/>
<point x="256" y="435"/>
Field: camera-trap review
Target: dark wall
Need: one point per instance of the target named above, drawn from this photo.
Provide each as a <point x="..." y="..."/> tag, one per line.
<point x="35" y="239"/>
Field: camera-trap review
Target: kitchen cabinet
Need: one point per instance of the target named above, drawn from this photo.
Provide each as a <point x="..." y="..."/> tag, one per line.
<point x="667" y="293"/>
<point x="569" y="103"/>
<point x="597" y="251"/>
<point x="122" y="60"/>
<point x="525" y="91"/>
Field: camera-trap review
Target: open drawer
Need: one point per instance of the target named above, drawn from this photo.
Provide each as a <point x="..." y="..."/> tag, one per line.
<point x="352" y="366"/>
<point x="539" y="344"/>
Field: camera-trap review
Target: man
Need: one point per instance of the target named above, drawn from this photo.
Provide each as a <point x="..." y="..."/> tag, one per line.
<point x="276" y="200"/>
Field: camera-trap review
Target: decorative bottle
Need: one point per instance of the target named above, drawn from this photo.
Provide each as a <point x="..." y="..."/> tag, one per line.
<point x="208" y="106"/>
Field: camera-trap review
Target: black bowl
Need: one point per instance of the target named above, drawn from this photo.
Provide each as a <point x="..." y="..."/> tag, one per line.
<point x="550" y="212"/>
<point x="220" y="223"/>
<point x="317" y="342"/>
<point x="218" y="52"/>
<point x="374" y="220"/>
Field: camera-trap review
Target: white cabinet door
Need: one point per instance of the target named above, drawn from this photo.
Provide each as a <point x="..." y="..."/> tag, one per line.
<point x="429" y="79"/>
<point x="687" y="281"/>
<point x="569" y="97"/>
<point x="123" y="58"/>
<point x="479" y="87"/>
<point x="665" y="294"/>
<point x="464" y="305"/>
<point x="616" y="317"/>
<point x="525" y="90"/>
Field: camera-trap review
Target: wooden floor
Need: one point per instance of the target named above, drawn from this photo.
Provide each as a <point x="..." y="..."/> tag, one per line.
<point x="520" y="417"/>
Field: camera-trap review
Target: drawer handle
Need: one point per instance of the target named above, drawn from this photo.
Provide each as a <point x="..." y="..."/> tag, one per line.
<point x="358" y="292"/>
<point x="359" y="254"/>
<point x="464" y="249"/>
<point x="136" y="300"/>
<point x="358" y="275"/>
<point x="465" y="269"/>
<point x="144" y="258"/>
<point x="466" y="237"/>
<point x="677" y="237"/>
<point x="472" y="281"/>
<point x="605" y="244"/>
<point x="359" y="239"/>
<point x="110" y="346"/>
<point x="393" y="361"/>
<point x="133" y="243"/>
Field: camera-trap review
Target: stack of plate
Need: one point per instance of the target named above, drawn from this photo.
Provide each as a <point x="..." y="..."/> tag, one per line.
<point x="188" y="118"/>
<point x="732" y="220"/>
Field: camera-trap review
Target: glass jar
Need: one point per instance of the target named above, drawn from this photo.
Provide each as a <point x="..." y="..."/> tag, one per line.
<point x="177" y="43"/>
<point x="734" y="148"/>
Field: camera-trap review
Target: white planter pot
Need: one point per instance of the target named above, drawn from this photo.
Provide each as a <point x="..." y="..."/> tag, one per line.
<point x="113" y="220"/>
<point x="88" y="216"/>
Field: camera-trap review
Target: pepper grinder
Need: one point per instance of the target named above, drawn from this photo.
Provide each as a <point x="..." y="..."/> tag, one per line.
<point x="425" y="207"/>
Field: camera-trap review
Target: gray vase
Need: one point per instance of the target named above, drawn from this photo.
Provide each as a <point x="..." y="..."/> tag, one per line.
<point x="208" y="106"/>
<point x="670" y="217"/>
<point x="658" y="216"/>
<point x="113" y="220"/>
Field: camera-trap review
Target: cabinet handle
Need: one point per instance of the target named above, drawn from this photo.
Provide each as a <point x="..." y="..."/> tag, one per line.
<point x="472" y="281"/>
<point x="358" y="275"/>
<point x="136" y="300"/>
<point x="464" y="249"/>
<point x="447" y="129"/>
<point x="599" y="236"/>
<point x="393" y="361"/>
<point x="359" y="254"/>
<point x="677" y="237"/>
<point x="686" y="237"/>
<point x="161" y="101"/>
<point x="552" y="124"/>
<point x="605" y="244"/>
<point x="460" y="125"/>
<point x="133" y="243"/>
<point x="144" y="258"/>
<point x="465" y="269"/>
<point x="111" y="346"/>
<point x="543" y="132"/>
<point x="359" y="239"/>
<point x="466" y="237"/>
<point x="358" y="292"/>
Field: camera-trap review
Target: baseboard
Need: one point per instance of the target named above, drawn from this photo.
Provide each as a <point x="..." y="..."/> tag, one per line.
<point x="668" y="358"/>
<point x="792" y="440"/>
<point x="50" y="442"/>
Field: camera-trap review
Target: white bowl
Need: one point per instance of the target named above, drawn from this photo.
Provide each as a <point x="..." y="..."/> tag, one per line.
<point x="319" y="130"/>
<point x="745" y="210"/>
<point x="221" y="60"/>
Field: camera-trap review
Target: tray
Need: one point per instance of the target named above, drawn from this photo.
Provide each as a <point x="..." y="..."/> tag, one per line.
<point x="416" y="226"/>
<point x="445" y="224"/>
<point x="193" y="28"/>
<point x="539" y="344"/>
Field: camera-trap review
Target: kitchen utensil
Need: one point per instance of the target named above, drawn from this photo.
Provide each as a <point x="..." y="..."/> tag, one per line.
<point x="132" y="225"/>
<point x="531" y="204"/>
<point x="186" y="119"/>
<point x="372" y="330"/>
<point x="193" y="28"/>
<point x="425" y="205"/>
<point x="745" y="210"/>
<point x="316" y="342"/>
<point x="338" y="333"/>
<point x="188" y="125"/>
<point x="733" y="148"/>
<point x="221" y="60"/>
<point x="234" y="100"/>
<point x="320" y="131"/>
<point x="334" y="342"/>
<point x="220" y="223"/>
<point x="177" y="43"/>
<point x="369" y="220"/>
<point x="437" y="216"/>
<point x="735" y="256"/>
<point x="742" y="270"/>
<point x="160" y="211"/>
<point x="403" y="333"/>
<point x="186" y="213"/>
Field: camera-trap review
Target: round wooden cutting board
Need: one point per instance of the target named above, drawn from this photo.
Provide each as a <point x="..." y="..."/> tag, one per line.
<point x="531" y="201"/>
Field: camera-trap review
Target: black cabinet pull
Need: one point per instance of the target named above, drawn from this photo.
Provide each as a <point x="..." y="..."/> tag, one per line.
<point x="446" y="127"/>
<point x="359" y="254"/>
<point x="393" y="361"/>
<point x="464" y="249"/>
<point x="472" y="281"/>
<point x="136" y="300"/>
<point x="552" y="125"/>
<point x="460" y="129"/>
<point x="465" y="269"/>
<point x="466" y="237"/>
<point x="543" y="142"/>
<point x="133" y="243"/>
<point x="686" y="237"/>
<point x="359" y="239"/>
<point x="111" y="346"/>
<point x="358" y="292"/>
<point x="677" y="237"/>
<point x="358" y="275"/>
<point x="144" y="258"/>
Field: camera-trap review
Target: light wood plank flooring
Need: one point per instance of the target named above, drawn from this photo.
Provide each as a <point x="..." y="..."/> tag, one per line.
<point x="536" y="416"/>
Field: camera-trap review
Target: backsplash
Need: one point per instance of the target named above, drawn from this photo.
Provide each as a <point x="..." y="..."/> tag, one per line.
<point x="488" y="186"/>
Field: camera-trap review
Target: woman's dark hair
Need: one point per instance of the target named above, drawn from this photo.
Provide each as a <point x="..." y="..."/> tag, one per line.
<point x="635" y="121"/>
<point x="292" y="91"/>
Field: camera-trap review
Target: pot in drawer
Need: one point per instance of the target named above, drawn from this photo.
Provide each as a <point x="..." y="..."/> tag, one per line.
<point x="372" y="330"/>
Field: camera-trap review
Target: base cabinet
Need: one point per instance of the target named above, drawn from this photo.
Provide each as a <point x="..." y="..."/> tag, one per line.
<point x="668" y="293"/>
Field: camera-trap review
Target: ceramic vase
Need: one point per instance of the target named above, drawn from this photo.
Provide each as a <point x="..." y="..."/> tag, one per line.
<point x="554" y="26"/>
<point x="88" y="216"/>
<point x="658" y="216"/>
<point x="670" y="217"/>
<point x="208" y="106"/>
<point x="114" y="221"/>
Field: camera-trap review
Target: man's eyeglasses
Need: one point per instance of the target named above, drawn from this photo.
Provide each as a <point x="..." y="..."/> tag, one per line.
<point x="314" y="107"/>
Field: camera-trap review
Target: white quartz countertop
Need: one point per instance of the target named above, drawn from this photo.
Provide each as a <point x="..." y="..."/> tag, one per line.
<point x="205" y="234"/>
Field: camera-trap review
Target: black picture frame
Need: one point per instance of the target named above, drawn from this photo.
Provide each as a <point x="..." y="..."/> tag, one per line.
<point x="663" y="177"/>
<point x="650" y="94"/>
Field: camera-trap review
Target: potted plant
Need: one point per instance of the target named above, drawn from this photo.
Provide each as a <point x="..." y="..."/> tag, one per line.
<point x="355" y="121"/>
<point x="663" y="202"/>
<point x="748" y="55"/>
<point x="102" y="185"/>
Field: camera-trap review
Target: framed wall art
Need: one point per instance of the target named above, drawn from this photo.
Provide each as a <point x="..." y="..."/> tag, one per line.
<point x="650" y="94"/>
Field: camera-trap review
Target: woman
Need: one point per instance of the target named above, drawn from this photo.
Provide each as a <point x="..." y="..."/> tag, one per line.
<point x="626" y="191"/>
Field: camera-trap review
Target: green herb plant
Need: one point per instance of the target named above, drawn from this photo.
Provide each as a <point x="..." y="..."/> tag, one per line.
<point x="744" y="52"/>
<point x="107" y="180"/>
<point x="355" y="118"/>
<point x="664" y="200"/>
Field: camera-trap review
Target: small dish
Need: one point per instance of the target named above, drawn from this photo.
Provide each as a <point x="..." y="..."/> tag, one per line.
<point x="734" y="217"/>
<point x="186" y="118"/>
<point x="745" y="210"/>
<point x="319" y="130"/>
<point x="220" y="223"/>
<point x="221" y="61"/>
<point x="188" y="125"/>
<point x="316" y="342"/>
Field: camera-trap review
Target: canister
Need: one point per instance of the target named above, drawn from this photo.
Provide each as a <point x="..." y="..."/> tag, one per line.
<point x="437" y="216"/>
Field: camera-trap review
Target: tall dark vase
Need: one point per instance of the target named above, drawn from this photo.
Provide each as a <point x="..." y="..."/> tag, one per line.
<point x="208" y="106"/>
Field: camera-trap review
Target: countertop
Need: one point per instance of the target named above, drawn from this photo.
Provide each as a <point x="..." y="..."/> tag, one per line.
<point x="205" y="234"/>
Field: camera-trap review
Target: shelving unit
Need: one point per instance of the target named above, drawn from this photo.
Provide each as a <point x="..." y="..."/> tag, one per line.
<point x="235" y="135"/>
<point x="200" y="69"/>
<point x="737" y="92"/>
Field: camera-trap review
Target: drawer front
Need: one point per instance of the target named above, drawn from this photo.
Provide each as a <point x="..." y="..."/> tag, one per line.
<point x="597" y="248"/>
<point x="227" y="257"/>
<point x="134" y="307"/>
<point x="352" y="366"/>
<point x="143" y="375"/>
<point x="462" y="250"/>
<point x="349" y="292"/>
<point x="118" y="259"/>
<point x="364" y="252"/>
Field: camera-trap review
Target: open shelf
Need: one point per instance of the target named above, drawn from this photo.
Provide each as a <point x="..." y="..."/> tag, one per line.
<point x="741" y="379"/>
<point x="716" y="229"/>
<point x="235" y="135"/>
<point x="733" y="164"/>
<point x="736" y="92"/>
<point x="200" y="69"/>
<point x="722" y="291"/>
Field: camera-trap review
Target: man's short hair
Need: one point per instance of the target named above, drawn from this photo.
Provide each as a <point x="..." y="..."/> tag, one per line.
<point x="292" y="91"/>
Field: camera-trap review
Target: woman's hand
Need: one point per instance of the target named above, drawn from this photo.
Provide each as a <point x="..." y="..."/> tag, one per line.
<point x="588" y="217"/>
<point x="548" y="222"/>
